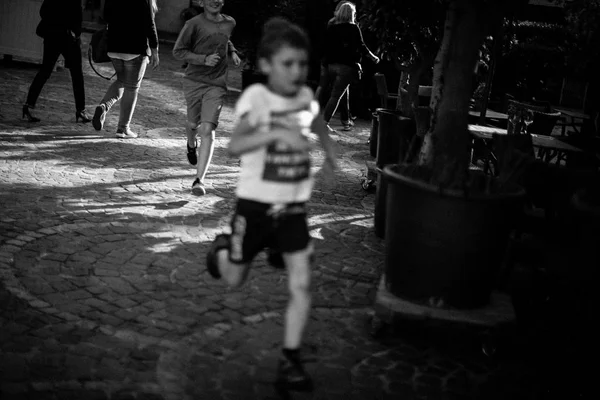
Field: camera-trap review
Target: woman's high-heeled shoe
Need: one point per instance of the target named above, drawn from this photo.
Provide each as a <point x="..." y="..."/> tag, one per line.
<point x="27" y="114"/>
<point x="83" y="115"/>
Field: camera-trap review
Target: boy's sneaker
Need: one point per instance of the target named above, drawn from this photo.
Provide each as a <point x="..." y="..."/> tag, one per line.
<point x="198" y="188"/>
<point x="191" y="154"/>
<point x="126" y="134"/>
<point x="212" y="261"/>
<point x="291" y="376"/>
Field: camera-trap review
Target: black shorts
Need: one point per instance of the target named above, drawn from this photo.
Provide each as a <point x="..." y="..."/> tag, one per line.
<point x="256" y="226"/>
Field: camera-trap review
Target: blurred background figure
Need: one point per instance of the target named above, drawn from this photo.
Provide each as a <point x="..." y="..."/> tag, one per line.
<point x="60" y="28"/>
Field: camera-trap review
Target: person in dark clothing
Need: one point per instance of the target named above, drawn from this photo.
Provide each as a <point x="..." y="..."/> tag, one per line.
<point x="132" y="40"/>
<point x="344" y="47"/>
<point x="60" y="28"/>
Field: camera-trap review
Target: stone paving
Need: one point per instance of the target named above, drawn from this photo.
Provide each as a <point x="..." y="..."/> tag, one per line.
<point x="104" y="294"/>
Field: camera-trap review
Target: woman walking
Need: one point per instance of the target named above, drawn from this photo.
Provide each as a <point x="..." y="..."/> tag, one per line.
<point x="132" y="39"/>
<point x="60" y="28"/>
<point x="344" y="47"/>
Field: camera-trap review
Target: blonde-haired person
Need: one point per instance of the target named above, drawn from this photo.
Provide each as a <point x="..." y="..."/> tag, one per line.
<point x="132" y="43"/>
<point x="344" y="48"/>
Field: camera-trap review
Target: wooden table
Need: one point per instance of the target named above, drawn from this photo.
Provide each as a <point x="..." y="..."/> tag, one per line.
<point x="554" y="147"/>
<point x="489" y="114"/>
<point x="573" y="118"/>
<point x="498" y="118"/>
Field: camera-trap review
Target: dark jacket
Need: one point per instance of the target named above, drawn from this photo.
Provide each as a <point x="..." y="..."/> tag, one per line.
<point x="60" y="18"/>
<point x="344" y="44"/>
<point x="131" y="27"/>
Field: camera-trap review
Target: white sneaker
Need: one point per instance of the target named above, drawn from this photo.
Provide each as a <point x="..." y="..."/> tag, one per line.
<point x="126" y="134"/>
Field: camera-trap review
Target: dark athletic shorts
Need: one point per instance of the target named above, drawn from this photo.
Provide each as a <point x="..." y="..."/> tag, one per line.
<point x="256" y="226"/>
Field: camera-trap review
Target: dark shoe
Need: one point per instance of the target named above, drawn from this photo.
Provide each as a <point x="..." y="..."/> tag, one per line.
<point x="83" y="115"/>
<point x="275" y="259"/>
<point x="198" y="188"/>
<point x="291" y="376"/>
<point x="99" y="117"/>
<point x="27" y="114"/>
<point x="212" y="261"/>
<point x="191" y="154"/>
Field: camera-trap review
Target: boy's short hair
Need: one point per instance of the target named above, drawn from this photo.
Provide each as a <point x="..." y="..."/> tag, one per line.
<point x="278" y="32"/>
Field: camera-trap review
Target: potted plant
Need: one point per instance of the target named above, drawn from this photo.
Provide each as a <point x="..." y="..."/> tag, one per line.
<point x="447" y="228"/>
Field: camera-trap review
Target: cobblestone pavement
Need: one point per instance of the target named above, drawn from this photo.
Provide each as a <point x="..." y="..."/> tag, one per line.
<point x="104" y="294"/>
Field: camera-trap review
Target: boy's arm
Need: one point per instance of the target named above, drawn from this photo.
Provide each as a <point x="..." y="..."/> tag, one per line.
<point x="320" y="128"/>
<point x="233" y="53"/>
<point x="246" y="137"/>
<point x="182" y="50"/>
<point x="231" y="48"/>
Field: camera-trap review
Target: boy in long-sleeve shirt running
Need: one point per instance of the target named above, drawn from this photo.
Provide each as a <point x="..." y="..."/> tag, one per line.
<point x="204" y="44"/>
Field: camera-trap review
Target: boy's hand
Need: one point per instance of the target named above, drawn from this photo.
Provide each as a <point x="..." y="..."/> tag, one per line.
<point x="328" y="169"/>
<point x="236" y="59"/>
<point x="212" y="59"/>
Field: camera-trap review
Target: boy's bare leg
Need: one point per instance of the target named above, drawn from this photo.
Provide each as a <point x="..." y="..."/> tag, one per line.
<point x="298" y="309"/>
<point x="290" y="371"/>
<point x="233" y="274"/>
<point x="191" y="131"/>
<point x="206" y="130"/>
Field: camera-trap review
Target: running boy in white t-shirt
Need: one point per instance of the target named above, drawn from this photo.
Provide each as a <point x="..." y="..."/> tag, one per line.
<point x="275" y="182"/>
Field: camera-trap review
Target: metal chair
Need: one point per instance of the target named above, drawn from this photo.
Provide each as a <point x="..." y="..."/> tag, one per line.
<point x="382" y="91"/>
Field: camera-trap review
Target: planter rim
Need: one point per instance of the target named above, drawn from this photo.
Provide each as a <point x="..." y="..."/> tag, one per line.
<point x="514" y="191"/>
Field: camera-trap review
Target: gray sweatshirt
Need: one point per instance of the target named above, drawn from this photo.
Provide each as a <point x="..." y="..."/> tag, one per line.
<point x="199" y="38"/>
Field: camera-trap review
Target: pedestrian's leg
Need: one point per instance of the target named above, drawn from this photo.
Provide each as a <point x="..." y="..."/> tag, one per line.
<point x="230" y="255"/>
<point x="193" y="99"/>
<point x="345" y="110"/>
<point x="51" y="53"/>
<point x="212" y="103"/>
<point x="206" y="131"/>
<point x="342" y="79"/>
<point x="191" y="131"/>
<point x="134" y="73"/>
<point x="233" y="274"/>
<point x="291" y="374"/>
<point x="299" y="271"/>
<point x="73" y="60"/>
<point x="112" y="95"/>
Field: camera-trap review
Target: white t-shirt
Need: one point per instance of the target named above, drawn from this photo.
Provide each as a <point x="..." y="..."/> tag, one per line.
<point x="276" y="174"/>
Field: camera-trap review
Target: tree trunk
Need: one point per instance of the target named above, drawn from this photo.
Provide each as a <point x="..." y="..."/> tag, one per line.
<point x="446" y="147"/>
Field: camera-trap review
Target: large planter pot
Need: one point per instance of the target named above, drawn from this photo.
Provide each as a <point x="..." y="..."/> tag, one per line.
<point x="380" y="205"/>
<point x="394" y="133"/>
<point x="586" y="230"/>
<point x="443" y="247"/>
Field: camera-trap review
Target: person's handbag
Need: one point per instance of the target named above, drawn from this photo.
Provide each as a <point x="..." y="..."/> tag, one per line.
<point x="98" y="50"/>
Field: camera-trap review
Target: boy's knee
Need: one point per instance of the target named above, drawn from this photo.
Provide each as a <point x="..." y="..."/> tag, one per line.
<point x="191" y="125"/>
<point x="206" y="130"/>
